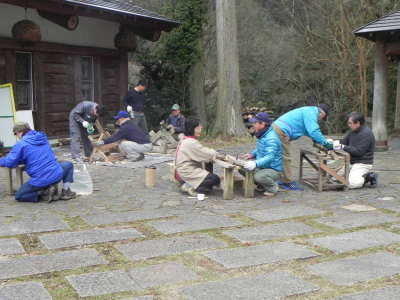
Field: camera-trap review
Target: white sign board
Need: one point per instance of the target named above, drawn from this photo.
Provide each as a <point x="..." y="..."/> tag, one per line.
<point x="7" y="115"/>
<point x="26" y="117"/>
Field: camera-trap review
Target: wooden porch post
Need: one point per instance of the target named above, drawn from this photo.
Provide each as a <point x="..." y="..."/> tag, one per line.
<point x="397" y="116"/>
<point x="380" y="97"/>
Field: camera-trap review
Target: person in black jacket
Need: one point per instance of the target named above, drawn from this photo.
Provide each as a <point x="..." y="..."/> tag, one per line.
<point x="134" y="102"/>
<point x="360" y="144"/>
<point x="133" y="140"/>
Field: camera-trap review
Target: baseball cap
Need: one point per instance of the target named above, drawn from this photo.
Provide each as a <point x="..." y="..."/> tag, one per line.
<point x="121" y="114"/>
<point x="21" y="126"/>
<point x="325" y="108"/>
<point x="261" y="117"/>
<point x="175" y="107"/>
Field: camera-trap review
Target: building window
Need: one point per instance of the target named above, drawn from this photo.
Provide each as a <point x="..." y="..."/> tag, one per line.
<point x="23" y="81"/>
<point x="87" y="84"/>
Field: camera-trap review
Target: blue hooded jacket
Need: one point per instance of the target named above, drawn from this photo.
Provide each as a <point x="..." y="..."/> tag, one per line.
<point x="268" y="152"/>
<point x="300" y="122"/>
<point x="34" y="151"/>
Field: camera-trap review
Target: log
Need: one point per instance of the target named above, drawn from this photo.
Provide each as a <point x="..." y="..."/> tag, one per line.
<point x="125" y="40"/>
<point x="69" y="22"/>
<point x="26" y="31"/>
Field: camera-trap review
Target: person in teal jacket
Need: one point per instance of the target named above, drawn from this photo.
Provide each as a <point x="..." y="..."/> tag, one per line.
<point x="266" y="159"/>
<point x="294" y="124"/>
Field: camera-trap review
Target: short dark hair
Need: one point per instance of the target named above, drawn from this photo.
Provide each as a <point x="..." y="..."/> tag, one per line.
<point x="190" y="125"/>
<point x="100" y="109"/>
<point x="356" y="117"/>
<point x="142" y="82"/>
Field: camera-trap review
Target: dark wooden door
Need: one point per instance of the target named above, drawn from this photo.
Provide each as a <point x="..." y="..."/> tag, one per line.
<point x="55" y="93"/>
<point x="110" y="84"/>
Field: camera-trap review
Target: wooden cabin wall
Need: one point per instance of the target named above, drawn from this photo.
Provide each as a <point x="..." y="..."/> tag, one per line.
<point x="58" y="85"/>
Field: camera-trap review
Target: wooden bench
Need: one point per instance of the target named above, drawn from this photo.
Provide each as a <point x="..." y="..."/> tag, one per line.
<point x="19" y="172"/>
<point x="228" y="184"/>
<point x="327" y="178"/>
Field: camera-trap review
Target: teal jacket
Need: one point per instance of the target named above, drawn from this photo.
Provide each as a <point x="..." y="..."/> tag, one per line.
<point x="268" y="152"/>
<point x="300" y="122"/>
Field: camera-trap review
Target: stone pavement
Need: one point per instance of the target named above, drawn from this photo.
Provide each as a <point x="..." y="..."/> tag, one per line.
<point x="128" y="242"/>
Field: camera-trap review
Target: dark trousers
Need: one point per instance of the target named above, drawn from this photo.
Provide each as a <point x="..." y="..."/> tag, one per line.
<point x="208" y="183"/>
<point x="140" y="121"/>
<point x="79" y="134"/>
<point x="30" y="193"/>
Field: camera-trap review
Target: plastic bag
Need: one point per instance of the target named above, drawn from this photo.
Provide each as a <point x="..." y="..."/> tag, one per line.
<point x="83" y="184"/>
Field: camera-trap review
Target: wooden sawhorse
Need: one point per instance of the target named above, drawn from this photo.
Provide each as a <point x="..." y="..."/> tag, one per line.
<point x="327" y="177"/>
<point x="19" y="172"/>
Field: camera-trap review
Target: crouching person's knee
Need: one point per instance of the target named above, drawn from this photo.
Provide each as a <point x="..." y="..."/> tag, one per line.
<point x="356" y="182"/>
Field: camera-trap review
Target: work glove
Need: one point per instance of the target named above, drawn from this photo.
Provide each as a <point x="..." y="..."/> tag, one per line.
<point x="328" y="146"/>
<point x="90" y="129"/>
<point x="85" y="124"/>
<point x="250" y="165"/>
<point x="338" y="147"/>
<point x="129" y="108"/>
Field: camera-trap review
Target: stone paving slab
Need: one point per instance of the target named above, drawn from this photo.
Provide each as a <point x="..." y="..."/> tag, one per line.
<point x="167" y="273"/>
<point x="31" y="265"/>
<point x="283" y="212"/>
<point x="169" y="246"/>
<point x="193" y="222"/>
<point x="70" y="239"/>
<point x="128" y="216"/>
<point x="259" y="255"/>
<point x="276" y="285"/>
<point x="10" y="246"/>
<point x="348" y="271"/>
<point x="350" y="220"/>
<point x="357" y="240"/>
<point x="389" y="293"/>
<point x="270" y="232"/>
<point x="96" y="284"/>
<point x="24" y="291"/>
<point x="141" y="298"/>
<point x="30" y="225"/>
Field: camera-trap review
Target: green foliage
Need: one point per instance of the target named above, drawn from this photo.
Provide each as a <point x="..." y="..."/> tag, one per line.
<point x="168" y="62"/>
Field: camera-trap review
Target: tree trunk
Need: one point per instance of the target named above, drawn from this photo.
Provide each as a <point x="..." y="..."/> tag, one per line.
<point x="197" y="95"/>
<point x="380" y="97"/>
<point x="397" y="117"/>
<point x="228" y="119"/>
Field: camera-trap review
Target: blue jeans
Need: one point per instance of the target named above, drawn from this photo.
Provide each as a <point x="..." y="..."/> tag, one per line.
<point x="30" y="193"/>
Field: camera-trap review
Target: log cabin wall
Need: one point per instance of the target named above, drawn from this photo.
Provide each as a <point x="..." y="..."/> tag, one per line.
<point x="64" y="75"/>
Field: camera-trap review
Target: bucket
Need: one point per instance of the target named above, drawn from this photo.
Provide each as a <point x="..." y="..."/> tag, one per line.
<point x="150" y="176"/>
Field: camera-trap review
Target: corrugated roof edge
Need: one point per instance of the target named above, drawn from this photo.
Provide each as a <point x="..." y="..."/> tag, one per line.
<point x="356" y="32"/>
<point x="160" y="18"/>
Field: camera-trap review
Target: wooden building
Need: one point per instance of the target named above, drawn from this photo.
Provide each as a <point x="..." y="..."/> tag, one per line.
<point x="385" y="33"/>
<point x="67" y="51"/>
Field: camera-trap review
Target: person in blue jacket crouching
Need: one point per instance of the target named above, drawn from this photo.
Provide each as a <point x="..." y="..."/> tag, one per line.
<point x="266" y="159"/>
<point x="33" y="150"/>
<point x="294" y="124"/>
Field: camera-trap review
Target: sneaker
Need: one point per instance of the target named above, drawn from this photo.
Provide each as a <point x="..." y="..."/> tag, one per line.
<point x="139" y="158"/>
<point x="67" y="195"/>
<point x="53" y="193"/>
<point x="186" y="188"/>
<point x="372" y="179"/>
<point x="291" y="186"/>
<point x="44" y="195"/>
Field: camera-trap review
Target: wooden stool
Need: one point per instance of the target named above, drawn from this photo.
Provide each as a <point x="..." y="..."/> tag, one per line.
<point x="19" y="179"/>
<point x="325" y="174"/>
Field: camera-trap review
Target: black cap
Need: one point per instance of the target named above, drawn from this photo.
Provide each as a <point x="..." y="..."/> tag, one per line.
<point x="325" y="109"/>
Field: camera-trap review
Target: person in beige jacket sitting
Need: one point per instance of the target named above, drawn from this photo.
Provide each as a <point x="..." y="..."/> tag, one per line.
<point x="190" y="154"/>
